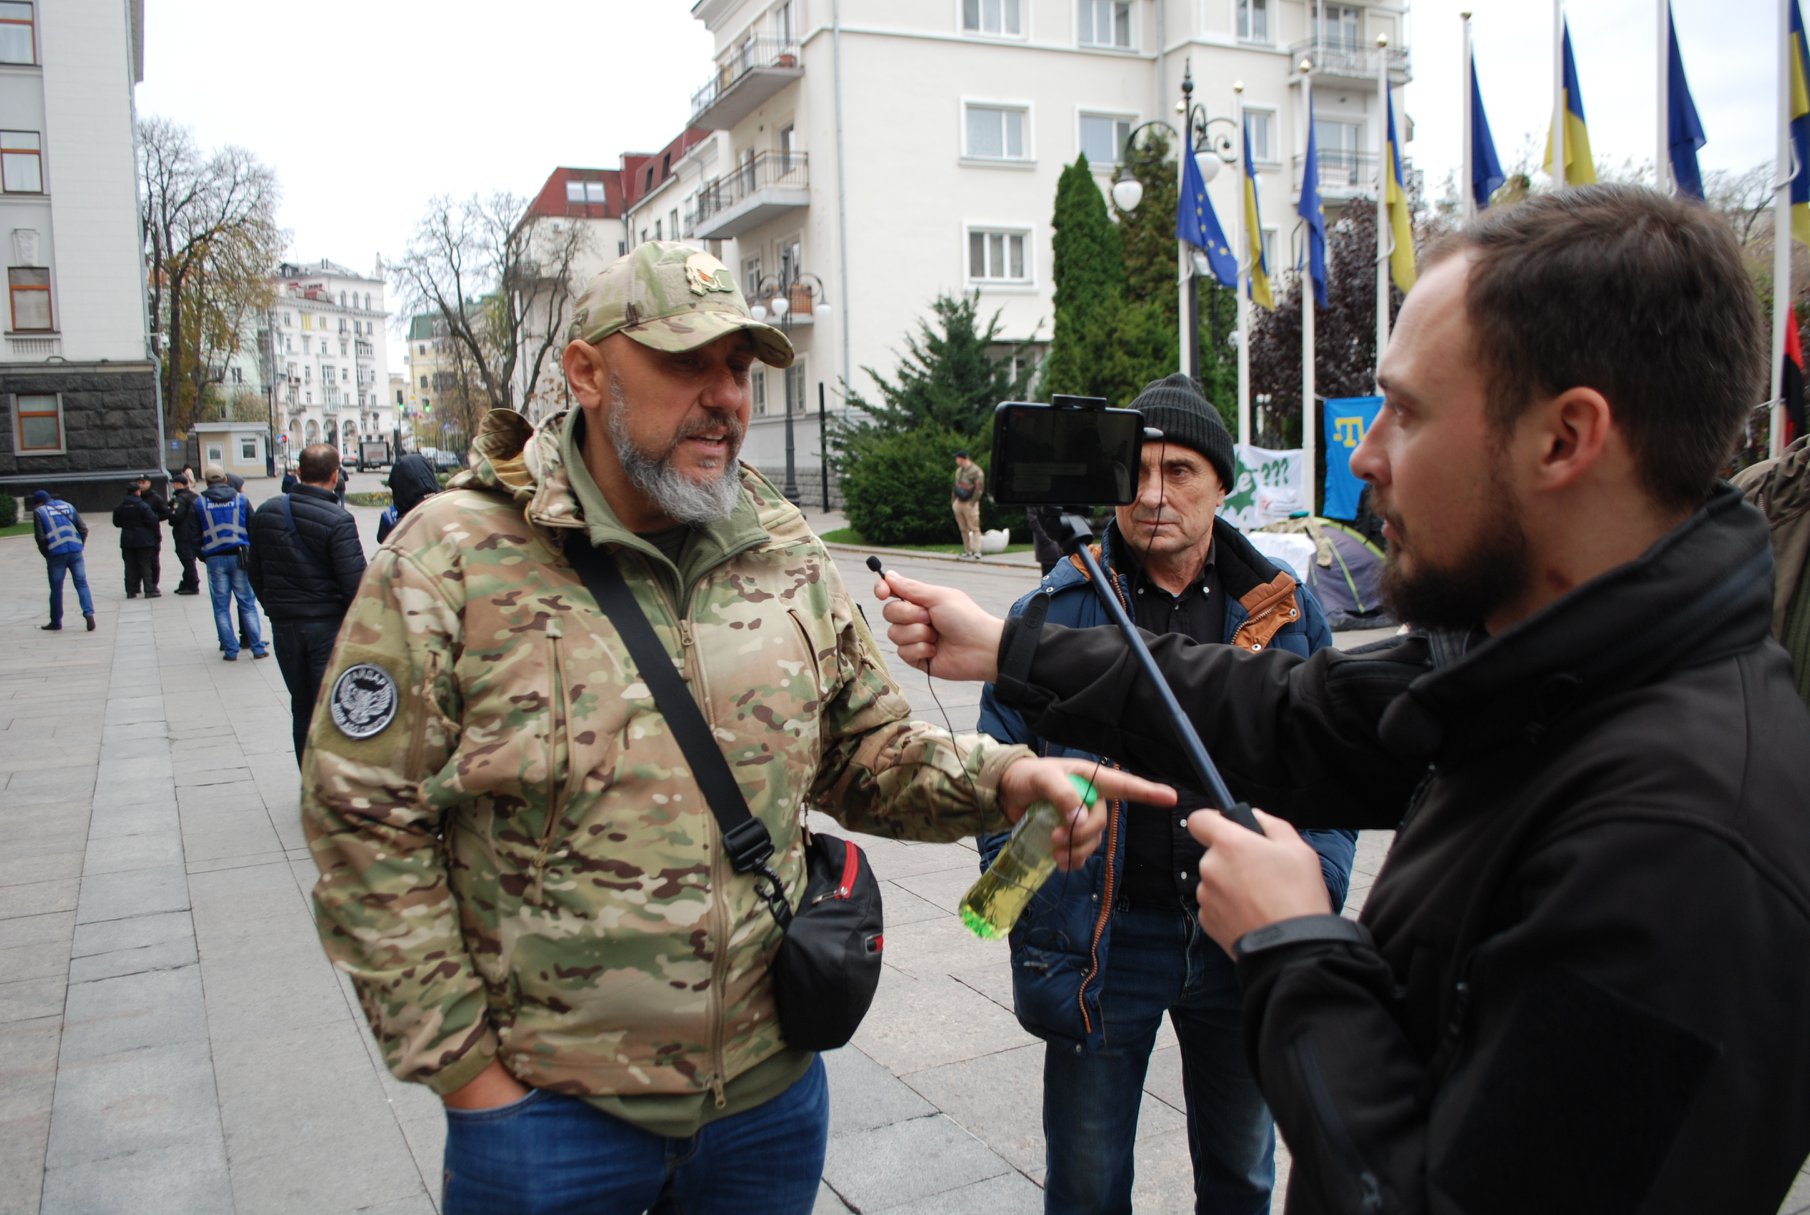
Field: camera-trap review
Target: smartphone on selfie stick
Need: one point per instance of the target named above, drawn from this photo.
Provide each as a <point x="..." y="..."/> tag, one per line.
<point x="1062" y="458"/>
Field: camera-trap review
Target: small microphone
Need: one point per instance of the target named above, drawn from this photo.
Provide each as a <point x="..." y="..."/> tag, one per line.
<point x="873" y="563"/>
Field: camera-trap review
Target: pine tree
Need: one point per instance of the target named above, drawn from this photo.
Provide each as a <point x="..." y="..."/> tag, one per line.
<point x="948" y="377"/>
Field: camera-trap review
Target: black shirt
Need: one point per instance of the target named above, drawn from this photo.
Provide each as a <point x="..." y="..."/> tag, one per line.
<point x="1162" y="861"/>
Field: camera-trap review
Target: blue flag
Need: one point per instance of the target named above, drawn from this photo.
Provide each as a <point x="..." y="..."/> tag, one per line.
<point x="1684" y="131"/>
<point x="1486" y="170"/>
<point x="1310" y="210"/>
<point x="1196" y="223"/>
<point x="1797" y="113"/>
<point x="1345" y="421"/>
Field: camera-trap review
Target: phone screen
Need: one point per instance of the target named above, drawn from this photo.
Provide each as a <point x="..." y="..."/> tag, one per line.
<point x="1045" y="456"/>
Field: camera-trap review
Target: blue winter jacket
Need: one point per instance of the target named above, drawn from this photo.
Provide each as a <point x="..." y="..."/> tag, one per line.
<point x="1061" y="943"/>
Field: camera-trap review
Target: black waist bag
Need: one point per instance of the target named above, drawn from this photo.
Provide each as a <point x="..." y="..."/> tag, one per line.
<point x="828" y="966"/>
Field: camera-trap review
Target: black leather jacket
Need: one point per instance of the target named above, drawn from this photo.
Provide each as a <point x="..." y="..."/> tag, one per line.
<point x="1587" y="988"/>
<point x="310" y="571"/>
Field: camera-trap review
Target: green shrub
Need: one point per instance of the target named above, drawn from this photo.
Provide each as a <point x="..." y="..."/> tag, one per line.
<point x="9" y="510"/>
<point x="896" y="487"/>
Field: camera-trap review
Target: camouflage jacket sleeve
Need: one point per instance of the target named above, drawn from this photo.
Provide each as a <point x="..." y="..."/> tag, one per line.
<point x="883" y="773"/>
<point x="386" y="724"/>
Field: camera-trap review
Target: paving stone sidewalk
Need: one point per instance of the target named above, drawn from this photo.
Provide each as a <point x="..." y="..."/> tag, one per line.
<point x="172" y="1039"/>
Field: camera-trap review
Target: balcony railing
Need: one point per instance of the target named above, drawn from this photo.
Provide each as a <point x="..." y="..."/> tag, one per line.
<point x="747" y="76"/>
<point x="1345" y="175"/>
<point x="1338" y="56"/>
<point x="753" y="193"/>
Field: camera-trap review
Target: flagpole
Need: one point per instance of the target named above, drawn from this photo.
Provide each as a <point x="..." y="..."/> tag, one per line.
<point x="1310" y="430"/>
<point x="1465" y="184"/>
<point x="1781" y="231"/>
<point x="1383" y="170"/>
<point x="1241" y="244"/>
<point x="1558" y="93"/>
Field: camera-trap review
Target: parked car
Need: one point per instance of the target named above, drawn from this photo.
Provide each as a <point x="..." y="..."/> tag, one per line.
<point x="447" y="461"/>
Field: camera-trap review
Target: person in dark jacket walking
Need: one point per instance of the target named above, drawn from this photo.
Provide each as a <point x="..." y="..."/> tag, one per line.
<point x="1577" y="983"/>
<point x="185" y="529"/>
<point x="305" y="563"/>
<point x="411" y="481"/>
<point x="140" y="541"/>
<point x="225" y="537"/>
<point x="1100" y="959"/>
<point x="62" y="538"/>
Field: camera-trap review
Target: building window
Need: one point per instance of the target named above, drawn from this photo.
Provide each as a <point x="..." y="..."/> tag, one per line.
<point x="998" y="17"/>
<point x="1254" y="20"/>
<point x="216" y="453"/>
<point x="1340" y="147"/>
<point x="1262" y="127"/>
<point x="30" y="286"/>
<point x="751" y="276"/>
<point x="1106" y="23"/>
<point x="18" y="43"/>
<point x="585" y="192"/>
<point x="424" y="383"/>
<point x="995" y="133"/>
<point x="997" y="256"/>
<point x="1340" y="25"/>
<point x="1269" y="251"/>
<point x="21" y="169"/>
<point x="795" y="386"/>
<point x="38" y="425"/>
<point x="248" y="448"/>
<point x="757" y="391"/>
<point x="1103" y="138"/>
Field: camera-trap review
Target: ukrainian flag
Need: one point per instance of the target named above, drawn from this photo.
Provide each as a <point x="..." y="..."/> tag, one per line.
<point x="1253" y="229"/>
<point x="1580" y="165"/>
<point x="1798" y="115"/>
<point x="1401" y="230"/>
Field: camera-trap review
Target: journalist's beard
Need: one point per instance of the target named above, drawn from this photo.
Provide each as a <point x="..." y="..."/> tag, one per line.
<point x="1492" y="568"/>
<point x="681" y="498"/>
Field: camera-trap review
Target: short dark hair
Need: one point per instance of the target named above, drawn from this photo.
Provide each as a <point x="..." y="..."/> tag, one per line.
<point x="1642" y="297"/>
<point x="318" y="462"/>
<point x="962" y="454"/>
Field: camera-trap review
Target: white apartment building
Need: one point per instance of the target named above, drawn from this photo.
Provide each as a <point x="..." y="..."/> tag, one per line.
<point x="326" y="356"/>
<point x="874" y="154"/>
<point x="77" y="384"/>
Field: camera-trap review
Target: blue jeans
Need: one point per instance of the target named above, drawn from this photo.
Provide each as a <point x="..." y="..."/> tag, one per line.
<point x="1159" y="962"/>
<point x="226" y="582"/>
<point x="56" y="563"/>
<point x="303" y="647"/>
<point x="549" y="1154"/>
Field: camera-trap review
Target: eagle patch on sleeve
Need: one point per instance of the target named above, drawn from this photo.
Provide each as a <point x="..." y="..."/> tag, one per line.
<point x="364" y="700"/>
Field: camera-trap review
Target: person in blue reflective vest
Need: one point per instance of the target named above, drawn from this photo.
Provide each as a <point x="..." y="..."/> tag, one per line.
<point x="61" y="536"/>
<point x="225" y="539"/>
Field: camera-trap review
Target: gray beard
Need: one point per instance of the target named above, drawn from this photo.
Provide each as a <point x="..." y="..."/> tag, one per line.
<point x="679" y="497"/>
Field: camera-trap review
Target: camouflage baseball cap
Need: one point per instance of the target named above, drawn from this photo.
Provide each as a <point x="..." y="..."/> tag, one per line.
<point x="671" y="297"/>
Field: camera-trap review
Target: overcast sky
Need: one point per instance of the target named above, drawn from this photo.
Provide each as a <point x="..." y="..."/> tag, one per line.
<point x="367" y="109"/>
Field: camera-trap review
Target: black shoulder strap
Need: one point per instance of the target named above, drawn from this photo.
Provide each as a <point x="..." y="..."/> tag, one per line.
<point x="295" y="533"/>
<point x="749" y="845"/>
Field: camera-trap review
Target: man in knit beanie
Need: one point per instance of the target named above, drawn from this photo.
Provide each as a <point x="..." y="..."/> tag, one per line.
<point x="1119" y="950"/>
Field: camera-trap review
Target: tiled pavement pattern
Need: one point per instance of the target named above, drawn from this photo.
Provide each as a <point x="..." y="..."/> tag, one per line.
<point x="172" y="1040"/>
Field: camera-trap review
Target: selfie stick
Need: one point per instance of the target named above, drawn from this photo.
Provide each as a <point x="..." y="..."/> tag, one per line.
<point x="1075" y="533"/>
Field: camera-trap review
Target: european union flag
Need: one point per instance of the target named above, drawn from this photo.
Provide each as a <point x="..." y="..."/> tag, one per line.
<point x="1798" y="115"/>
<point x="1684" y="131"/>
<point x="1310" y="210"/>
<point x="1196" y="222"/>
<point x="1486" y="170"/>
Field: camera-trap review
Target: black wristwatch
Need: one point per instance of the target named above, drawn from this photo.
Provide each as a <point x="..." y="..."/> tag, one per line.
<point x="1301" y="929"/>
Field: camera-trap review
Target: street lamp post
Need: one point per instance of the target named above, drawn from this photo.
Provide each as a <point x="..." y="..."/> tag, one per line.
<point x="781" y="296"/>
<point x="1213" y="145"/>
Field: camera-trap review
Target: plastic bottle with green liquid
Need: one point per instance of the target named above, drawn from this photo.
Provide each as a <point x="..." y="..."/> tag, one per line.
<point x="994" y="903"/>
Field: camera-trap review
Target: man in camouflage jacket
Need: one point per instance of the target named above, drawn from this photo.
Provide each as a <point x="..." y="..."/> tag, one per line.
<point x="517" y="869"/>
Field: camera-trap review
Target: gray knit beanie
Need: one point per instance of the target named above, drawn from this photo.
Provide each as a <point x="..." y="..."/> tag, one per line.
<point x="1174" y="406"/>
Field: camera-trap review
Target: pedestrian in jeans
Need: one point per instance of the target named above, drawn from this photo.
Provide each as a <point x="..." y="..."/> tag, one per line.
<point x="61" y="536"/>
<point x="225" y="538"/>
<point x="970" y="481"/>
<point x="305" y="563"/>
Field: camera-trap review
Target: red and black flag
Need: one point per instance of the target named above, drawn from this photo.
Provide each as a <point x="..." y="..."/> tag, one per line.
<point x="1792" y="383"/>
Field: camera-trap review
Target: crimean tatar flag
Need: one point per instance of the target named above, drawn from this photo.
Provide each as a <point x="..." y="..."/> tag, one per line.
<point x="1401" y="230"/>
<point x="1253" y="229"/>
<point x="1580" y="165"/>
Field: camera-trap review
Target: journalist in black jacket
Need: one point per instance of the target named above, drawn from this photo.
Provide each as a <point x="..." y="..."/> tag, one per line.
<point x="305" y="564"/>
<point x="1579" y="983"/>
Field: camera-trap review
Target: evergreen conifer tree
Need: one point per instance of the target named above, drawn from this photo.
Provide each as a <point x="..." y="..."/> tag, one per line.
<point x="1089" y="274"/>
